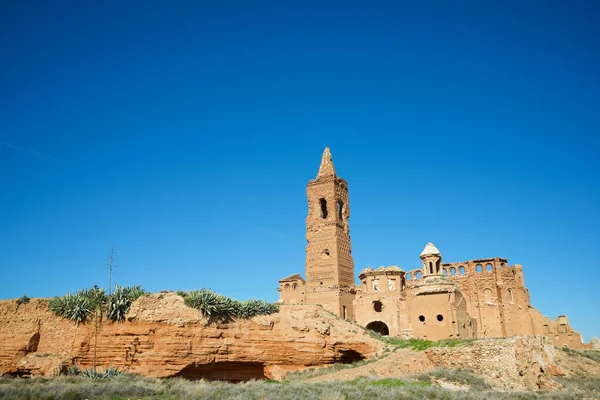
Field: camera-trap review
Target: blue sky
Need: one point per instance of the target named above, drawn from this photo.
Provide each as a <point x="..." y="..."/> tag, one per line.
<point x="185" y="133"/>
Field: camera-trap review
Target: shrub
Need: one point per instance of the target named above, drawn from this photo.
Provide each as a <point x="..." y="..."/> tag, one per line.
<point x="23" y="300"/>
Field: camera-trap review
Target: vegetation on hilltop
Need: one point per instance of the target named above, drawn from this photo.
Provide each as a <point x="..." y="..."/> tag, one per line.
<point x="81" y="306"/>
<point x="212" y="304"/>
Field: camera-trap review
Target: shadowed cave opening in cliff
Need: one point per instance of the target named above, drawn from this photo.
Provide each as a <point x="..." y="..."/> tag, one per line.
<point x="379" y="327"/>
<point x="348" y="357"/>
<point x="229" y="371"/>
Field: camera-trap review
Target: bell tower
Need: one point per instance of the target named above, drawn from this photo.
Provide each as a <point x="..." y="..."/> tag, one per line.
<point x="329" y="264"/>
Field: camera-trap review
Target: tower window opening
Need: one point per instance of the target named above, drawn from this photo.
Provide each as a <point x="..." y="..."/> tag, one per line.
<point x="511" y="298"/>
<point x="375" y="285"/>
<point x="323" y="204"/>
<point x="377" y="306"/>
<point x="340" y="208"/>
<point x="430" y="267"/>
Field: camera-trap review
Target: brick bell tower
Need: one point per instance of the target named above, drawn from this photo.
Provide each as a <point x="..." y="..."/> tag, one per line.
<point x="329" y="264"/>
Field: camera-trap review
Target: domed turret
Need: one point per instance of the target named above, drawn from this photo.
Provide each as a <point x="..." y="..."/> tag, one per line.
<point x="432" y="261"/>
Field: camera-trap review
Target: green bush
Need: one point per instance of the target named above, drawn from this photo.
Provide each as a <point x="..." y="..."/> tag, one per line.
<point x="23" y="300"/>
<point x="212" y="304"/>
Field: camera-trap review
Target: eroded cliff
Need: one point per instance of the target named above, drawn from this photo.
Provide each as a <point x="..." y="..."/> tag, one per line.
<point x="163" y="338"/>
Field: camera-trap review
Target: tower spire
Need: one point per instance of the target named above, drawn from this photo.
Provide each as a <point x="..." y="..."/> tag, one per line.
<point x="326" y="168"/>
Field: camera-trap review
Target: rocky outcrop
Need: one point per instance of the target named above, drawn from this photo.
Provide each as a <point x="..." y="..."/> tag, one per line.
<point x="164" y="338"/>
<point x="521" y="362"/>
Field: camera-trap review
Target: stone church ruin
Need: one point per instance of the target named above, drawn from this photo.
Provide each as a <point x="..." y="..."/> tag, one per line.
<point x="479" y="298"/>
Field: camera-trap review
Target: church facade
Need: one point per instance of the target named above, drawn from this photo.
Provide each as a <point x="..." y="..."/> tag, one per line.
<point x="471" y="299"/>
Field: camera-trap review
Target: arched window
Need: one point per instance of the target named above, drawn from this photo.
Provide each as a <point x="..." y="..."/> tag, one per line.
<point x="286" y="287"/>
<point x="323" y="204"/>
<point x="489" y="268"/>
<point x="340" y="209"/>
<point x="408" y="276"/>
<point x="375" y="285"/>
<point x="511" y="298"/>
<point x="452" y="271"/>
<point x="461" y="270"/>
<point x="377" y="306"/>
<point x="430" y="267"/>
<point x="478" y="268"/>
<point x="487" y="295"/>
<point x="294" y="286"/>
<point x="418" y="275"/>
<point x="444" y="272"/>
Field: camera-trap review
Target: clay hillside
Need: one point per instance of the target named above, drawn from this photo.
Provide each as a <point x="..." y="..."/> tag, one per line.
<point x="160" y="336"/>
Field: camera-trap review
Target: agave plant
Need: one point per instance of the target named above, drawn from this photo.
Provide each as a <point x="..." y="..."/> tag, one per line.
<point x="79" y="309"/>
<point x="213" y="304"/>
<point x="120" y="301"/>
<point x="204" y="300"/>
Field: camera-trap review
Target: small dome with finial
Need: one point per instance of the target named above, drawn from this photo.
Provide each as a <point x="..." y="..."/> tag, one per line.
<point x="430" y="250"/>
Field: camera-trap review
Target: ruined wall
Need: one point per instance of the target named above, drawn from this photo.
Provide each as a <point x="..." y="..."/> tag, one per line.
<point x="380" y="299"/>
<point x="496" y="297"/>
<point x="292" y="290"/>
<point x="562" y="334"/>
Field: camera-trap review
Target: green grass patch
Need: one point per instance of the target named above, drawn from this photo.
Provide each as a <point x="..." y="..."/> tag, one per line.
<point x="129" y="387"/>
<point x="591" y="354"/>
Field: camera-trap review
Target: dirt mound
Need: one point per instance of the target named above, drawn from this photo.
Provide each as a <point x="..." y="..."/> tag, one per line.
<point x="400" y="363"/>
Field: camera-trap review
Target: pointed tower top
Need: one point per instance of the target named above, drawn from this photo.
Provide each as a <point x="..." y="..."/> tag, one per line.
<point x="430" y="250"/>
<point x="326" y="168"/>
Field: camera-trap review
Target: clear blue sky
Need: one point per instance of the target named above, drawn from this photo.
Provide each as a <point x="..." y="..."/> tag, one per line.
<point x="184" y="133"/>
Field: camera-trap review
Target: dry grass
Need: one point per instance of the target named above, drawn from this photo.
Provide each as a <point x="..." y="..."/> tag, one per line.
<point x="129" y="387"/>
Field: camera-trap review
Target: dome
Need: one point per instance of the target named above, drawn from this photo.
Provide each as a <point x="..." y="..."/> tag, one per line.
<point x="430" y="250"/>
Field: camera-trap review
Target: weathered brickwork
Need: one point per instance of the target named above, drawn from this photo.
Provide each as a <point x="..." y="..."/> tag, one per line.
<point x="481" y="298"/>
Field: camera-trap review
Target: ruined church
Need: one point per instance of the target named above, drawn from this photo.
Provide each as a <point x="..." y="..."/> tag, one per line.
<point x="478" y="298"/>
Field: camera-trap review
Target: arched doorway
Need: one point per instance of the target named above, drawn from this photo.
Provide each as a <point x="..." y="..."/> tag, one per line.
<point x="379" y="327"/>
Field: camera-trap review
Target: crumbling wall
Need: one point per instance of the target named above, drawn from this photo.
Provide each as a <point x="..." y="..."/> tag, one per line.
<point x="515" y="363"/>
